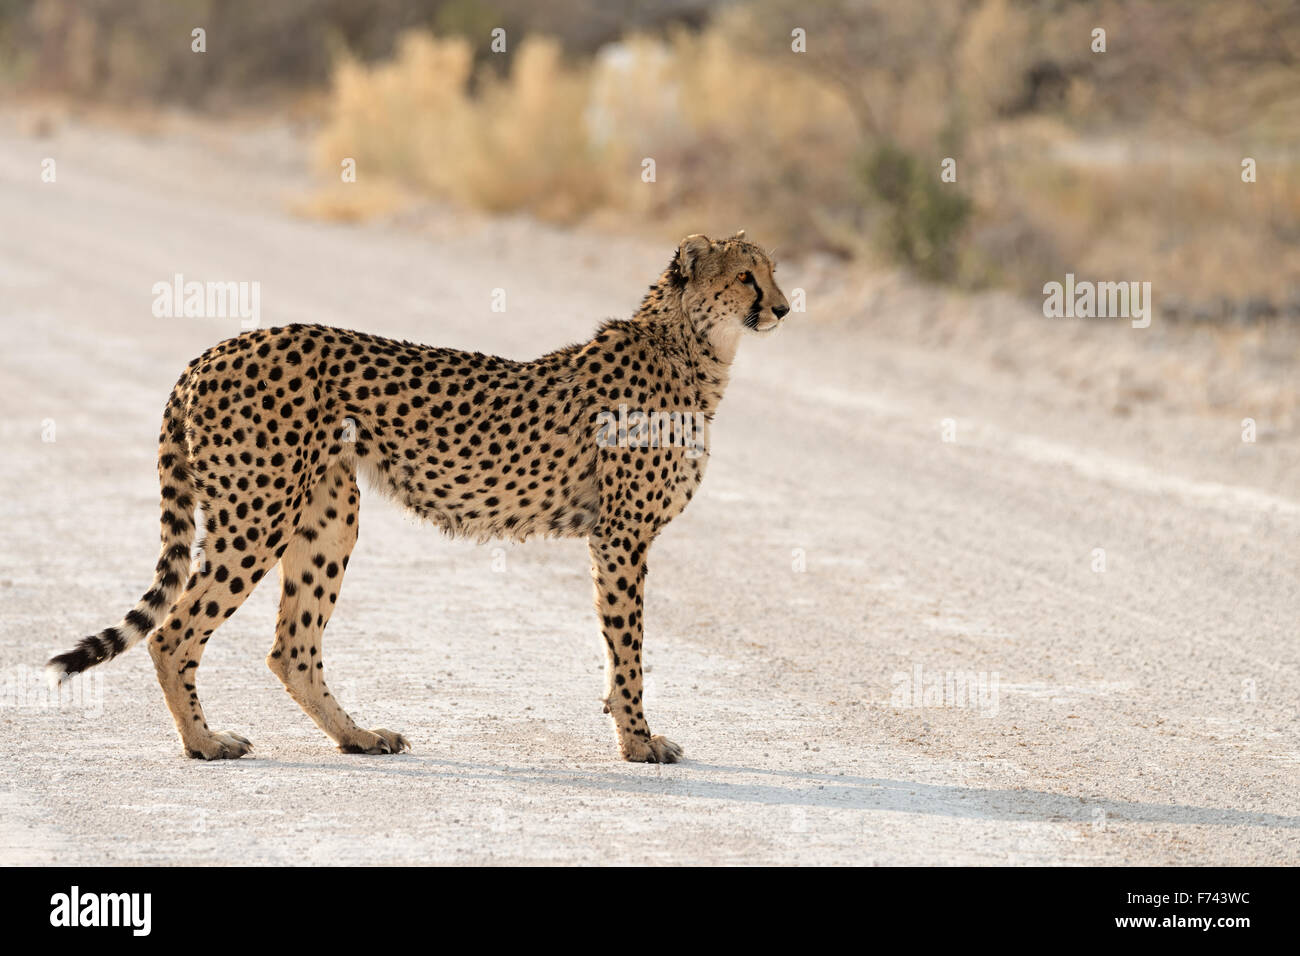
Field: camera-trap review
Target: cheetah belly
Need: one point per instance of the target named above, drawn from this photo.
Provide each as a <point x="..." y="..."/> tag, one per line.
<point x="486" y="497"/>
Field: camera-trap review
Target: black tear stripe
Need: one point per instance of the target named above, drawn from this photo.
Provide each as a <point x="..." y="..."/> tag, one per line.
<point x="751" y="318"/>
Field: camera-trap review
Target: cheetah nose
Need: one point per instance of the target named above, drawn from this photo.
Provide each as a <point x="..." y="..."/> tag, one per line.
<point x="780" y="311"/>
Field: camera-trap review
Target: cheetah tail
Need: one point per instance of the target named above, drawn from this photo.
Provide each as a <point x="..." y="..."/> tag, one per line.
<point x="178" y="530"/>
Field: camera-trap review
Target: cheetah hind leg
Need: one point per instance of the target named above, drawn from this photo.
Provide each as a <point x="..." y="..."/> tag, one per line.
<point x="212" y="595"/>
<point x="311" y="574"/>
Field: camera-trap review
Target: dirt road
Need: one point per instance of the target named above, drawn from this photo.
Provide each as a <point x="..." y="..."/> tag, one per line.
<point x="1067" y="635"/>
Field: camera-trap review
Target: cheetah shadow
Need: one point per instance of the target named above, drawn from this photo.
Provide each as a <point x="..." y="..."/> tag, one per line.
<point x="813" y="790"/>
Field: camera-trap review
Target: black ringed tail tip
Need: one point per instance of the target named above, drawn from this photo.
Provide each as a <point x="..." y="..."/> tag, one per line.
<point x="89" y="651"/>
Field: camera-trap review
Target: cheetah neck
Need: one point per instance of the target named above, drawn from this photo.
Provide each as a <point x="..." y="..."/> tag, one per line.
<point x="706" y="363"/>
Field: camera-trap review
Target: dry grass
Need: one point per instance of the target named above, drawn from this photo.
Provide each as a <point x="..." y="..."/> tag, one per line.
<point x="351" y="202"/>
<point x="1180" y="218"/>
<point x="516" y="144"/>
<point x="567" y="141"/>
<point x="744" y="133"/>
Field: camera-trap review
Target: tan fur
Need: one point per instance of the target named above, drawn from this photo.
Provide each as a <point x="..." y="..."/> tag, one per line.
<point x="266" y="432"/>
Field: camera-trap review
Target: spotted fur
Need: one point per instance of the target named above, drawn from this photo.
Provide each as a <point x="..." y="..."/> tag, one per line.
<point x="265" y="433"/>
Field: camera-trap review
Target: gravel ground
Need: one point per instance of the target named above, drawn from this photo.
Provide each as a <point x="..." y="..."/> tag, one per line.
<point x="1141" y="714"/>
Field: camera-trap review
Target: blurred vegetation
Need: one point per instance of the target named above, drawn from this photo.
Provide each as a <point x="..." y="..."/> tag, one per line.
<point x="139" y="50"/>
<point x="924" y="218"/>
<point x="1122" y="164"/>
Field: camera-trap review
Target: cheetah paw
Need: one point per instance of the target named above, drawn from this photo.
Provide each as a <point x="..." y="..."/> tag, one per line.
<point x="657" y="749"/>
<point x="220" y="745"/>
<point x="376" y="742"/>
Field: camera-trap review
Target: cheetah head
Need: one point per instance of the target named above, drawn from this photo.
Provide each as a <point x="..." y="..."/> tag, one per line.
<point x="728" y="288"/>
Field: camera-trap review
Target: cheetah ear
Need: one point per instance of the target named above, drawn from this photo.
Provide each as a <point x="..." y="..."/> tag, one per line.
<point x="690" y="252"/>
<point x="740" y="234"/>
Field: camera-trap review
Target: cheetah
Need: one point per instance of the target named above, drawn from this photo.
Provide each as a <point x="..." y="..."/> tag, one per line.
<point x="264" y="435"/>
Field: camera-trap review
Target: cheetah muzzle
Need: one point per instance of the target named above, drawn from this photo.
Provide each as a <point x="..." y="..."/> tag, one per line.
<point x="264" y="435"/>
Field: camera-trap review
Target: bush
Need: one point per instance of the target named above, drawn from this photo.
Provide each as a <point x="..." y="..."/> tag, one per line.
<point x="923" y="217"/>
<point x="516" y="144"/>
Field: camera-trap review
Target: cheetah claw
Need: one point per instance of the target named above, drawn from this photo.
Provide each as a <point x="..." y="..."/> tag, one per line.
<point x="658" y="749"/>
<point x="385" y="742"/>
<point x="221" y="745"/>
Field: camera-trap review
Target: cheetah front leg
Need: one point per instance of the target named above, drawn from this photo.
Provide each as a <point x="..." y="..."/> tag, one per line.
<point x="618" y="559"/>
<point x="311" y="573"/>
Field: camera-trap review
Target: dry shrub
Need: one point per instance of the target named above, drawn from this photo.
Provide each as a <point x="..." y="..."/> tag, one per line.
<point x="528" y="147"/>
<point x="1058" y="168"/>
<point x="738" y="141"/>
<point x="408" y="119"/>
<point x="516" y="144"/>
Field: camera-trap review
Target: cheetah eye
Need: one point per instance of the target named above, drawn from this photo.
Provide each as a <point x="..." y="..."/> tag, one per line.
<point x="745" y="277"/>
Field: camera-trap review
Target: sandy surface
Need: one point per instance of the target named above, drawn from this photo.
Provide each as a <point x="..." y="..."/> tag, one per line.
<point x="1144" y="714"/>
